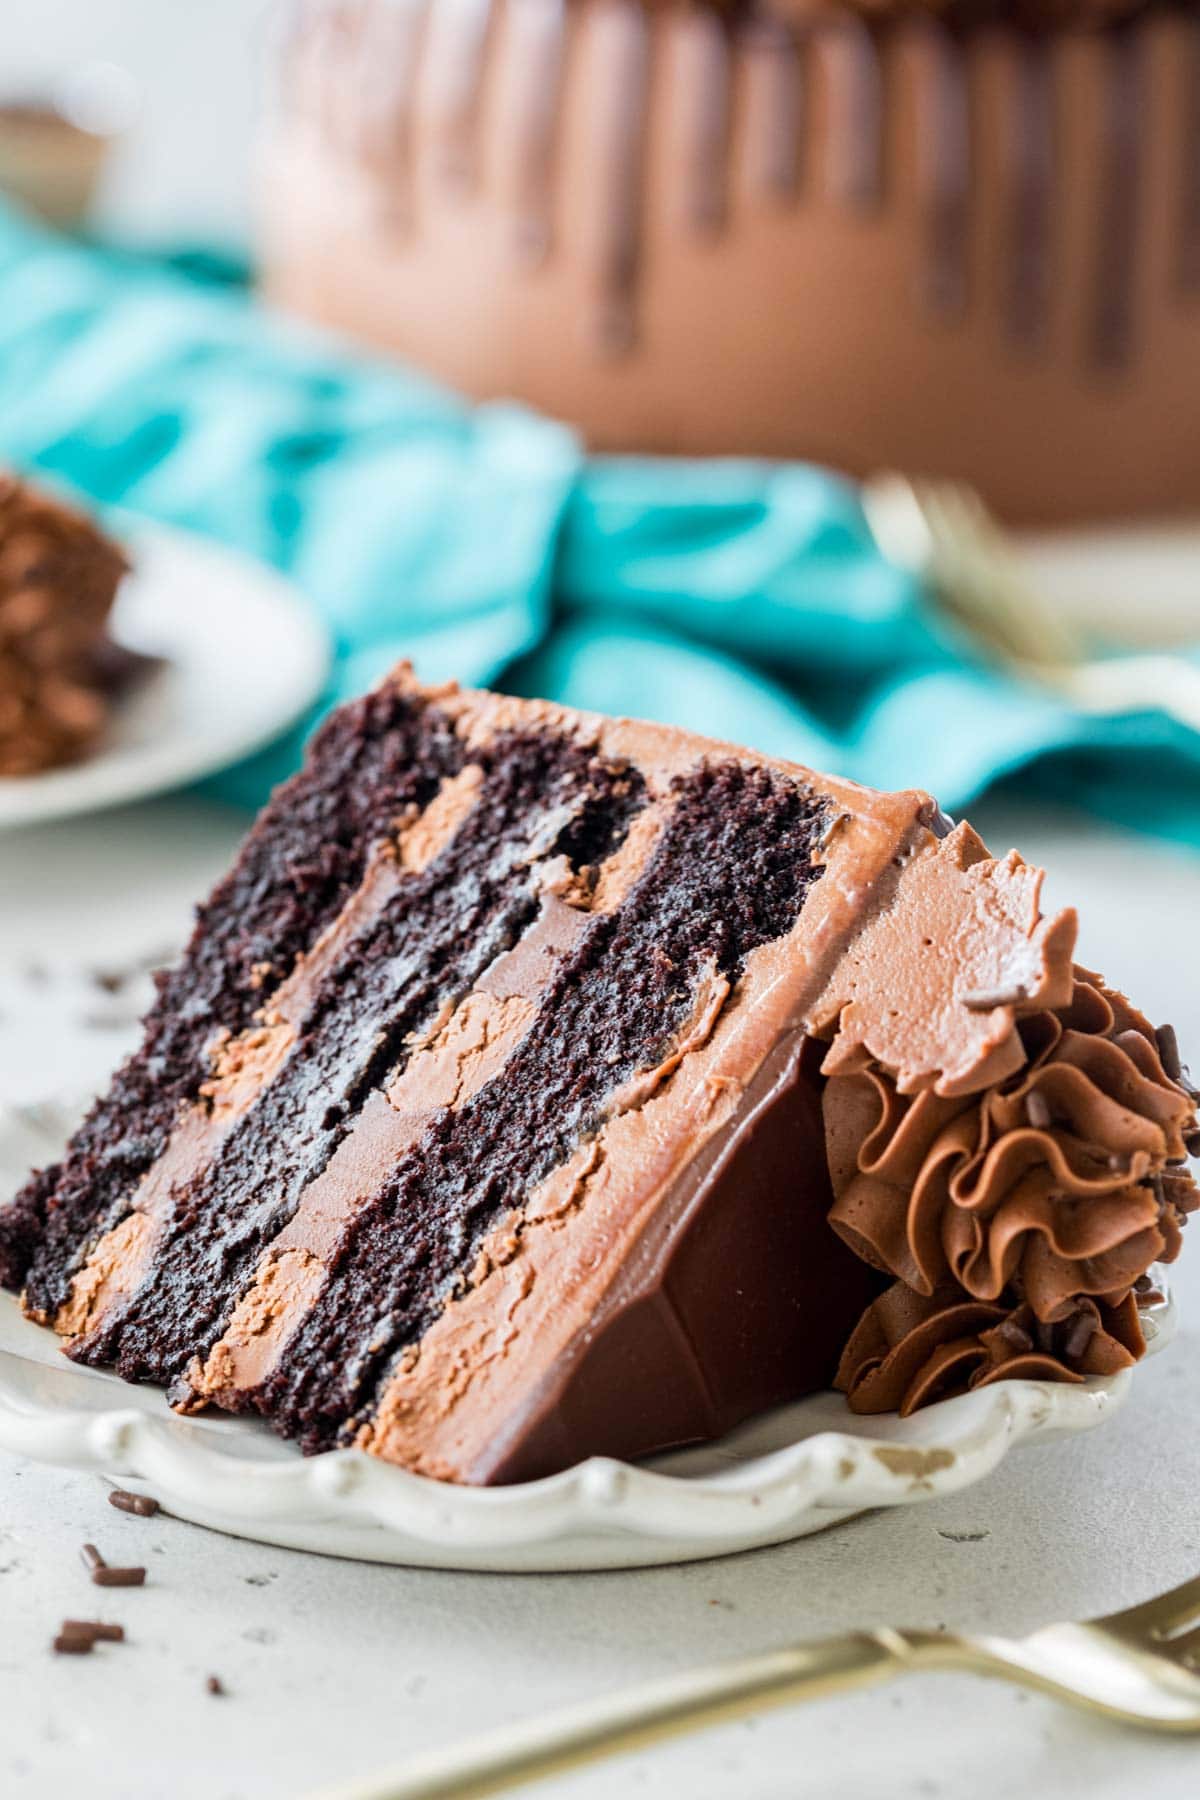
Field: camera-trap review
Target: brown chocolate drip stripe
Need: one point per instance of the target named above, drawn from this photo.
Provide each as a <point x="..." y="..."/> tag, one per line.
<point x="621" y="60"/>
<point x="1031" y="149"/>
<point x="452" y="82"/>
<point x="388" y="100"/>
<point x="774" y="73"/>
<point x="851" y="60"/>
<point x="1189" y="187"/>
<point x="702" y="70"/>
<point x="535" y="44"/>
<point x="943" y="168"/>
<point x="1122" y="101"/>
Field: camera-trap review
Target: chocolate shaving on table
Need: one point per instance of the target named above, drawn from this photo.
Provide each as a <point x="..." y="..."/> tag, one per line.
<point x="144" y="1505"/>
<point x="108" y="1577"/>
<point x="99" y="1630"/>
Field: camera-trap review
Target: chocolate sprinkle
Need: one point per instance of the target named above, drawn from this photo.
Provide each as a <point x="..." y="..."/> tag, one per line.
<point x="92" y="1559"/>
<point x="1037" y="1111"/>
<point x="106" y="1577"/>
<point x="98" y="1630"/>
<point x="72" y="1644"/>
<point x="987" y="999"/>
<point x="1168" y="1052"/>
<point x="1174" y="1067"/>
<point x="1079" y="1336"/>
<point x="142" y="1504"/>
<point x="214" y="1685"/>
<point x="1014" y="1335"/>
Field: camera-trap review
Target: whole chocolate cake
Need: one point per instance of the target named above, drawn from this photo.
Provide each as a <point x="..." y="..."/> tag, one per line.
<point x="538" y="1084"/>
<point x="58" y="667"/>
<point x="958" y="237"/>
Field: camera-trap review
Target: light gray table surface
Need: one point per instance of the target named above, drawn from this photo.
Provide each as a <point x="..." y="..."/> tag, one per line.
<point x="333" y="1668"/>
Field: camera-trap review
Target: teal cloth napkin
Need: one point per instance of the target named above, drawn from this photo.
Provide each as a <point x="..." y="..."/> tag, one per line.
<point x="743" y="599"/>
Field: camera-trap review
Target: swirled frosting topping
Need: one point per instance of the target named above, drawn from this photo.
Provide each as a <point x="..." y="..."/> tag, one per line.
<point x="1018" y="1221"/>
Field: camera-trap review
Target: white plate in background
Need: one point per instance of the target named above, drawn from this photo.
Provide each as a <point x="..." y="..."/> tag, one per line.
<point x="243" y="657"/>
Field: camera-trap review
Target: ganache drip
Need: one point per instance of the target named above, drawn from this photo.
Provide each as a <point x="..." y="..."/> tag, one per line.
<point x="1019" y="1222"/>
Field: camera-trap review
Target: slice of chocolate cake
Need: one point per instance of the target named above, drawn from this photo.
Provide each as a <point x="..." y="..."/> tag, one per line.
<point x="58" y="666"/>
<point x="538" y="1084"/>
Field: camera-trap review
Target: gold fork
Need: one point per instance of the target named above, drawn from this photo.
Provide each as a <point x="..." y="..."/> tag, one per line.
<point x="1141" y="1666"/>
<point x="943" y="532"/>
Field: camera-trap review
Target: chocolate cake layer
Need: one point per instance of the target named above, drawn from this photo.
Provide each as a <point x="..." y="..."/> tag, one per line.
<point x="435" y="932"/>
<point x="538" y="1085"/>
<point x="373" y="760"/>
<point x="730" y="871"/>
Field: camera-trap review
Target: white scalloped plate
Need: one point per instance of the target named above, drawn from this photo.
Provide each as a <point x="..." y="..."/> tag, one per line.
<point x="792" y="1472"/>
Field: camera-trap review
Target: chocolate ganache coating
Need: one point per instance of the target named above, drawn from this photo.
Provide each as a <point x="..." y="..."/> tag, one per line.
<point x="1025" y="15"/>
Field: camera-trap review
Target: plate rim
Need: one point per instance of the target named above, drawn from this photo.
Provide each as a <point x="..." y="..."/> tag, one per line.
<point x="638" y="1513"/>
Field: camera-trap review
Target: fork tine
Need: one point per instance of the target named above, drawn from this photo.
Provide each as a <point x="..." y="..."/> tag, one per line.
<point x="1184" y="1648"/>
<point x="1178" y="1606"/>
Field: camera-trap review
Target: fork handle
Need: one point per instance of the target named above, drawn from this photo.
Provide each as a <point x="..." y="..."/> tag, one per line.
<point x="567" y="1739"/>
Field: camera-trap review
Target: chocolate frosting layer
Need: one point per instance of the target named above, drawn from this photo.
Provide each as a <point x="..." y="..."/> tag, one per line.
<point x="1018" y="1219"/>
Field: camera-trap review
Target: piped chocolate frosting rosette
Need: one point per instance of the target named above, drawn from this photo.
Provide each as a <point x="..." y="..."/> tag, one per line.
<point x="1020" y="1221"/>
